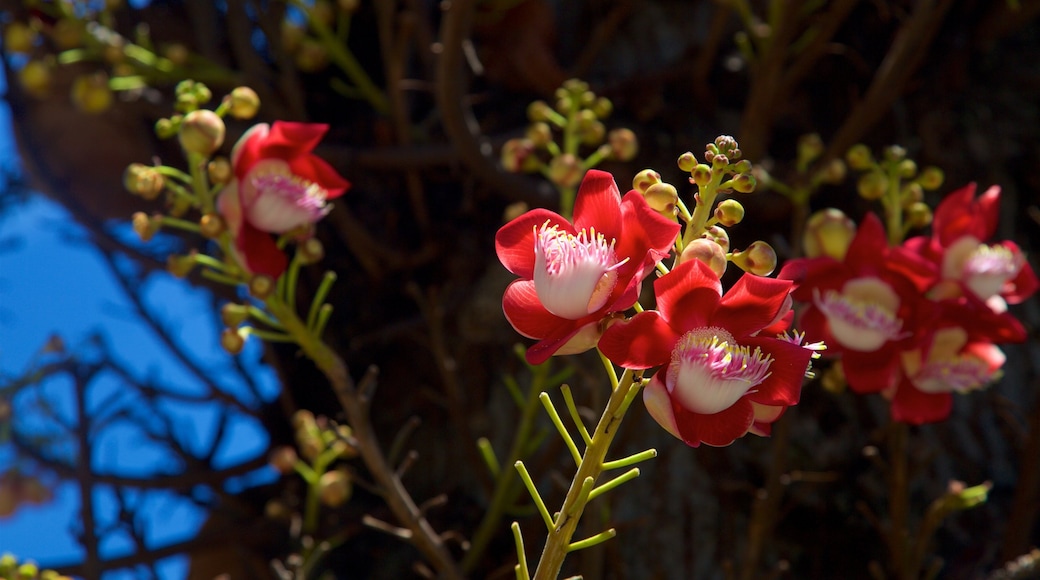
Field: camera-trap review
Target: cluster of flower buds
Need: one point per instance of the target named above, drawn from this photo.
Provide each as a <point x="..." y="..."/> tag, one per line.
<point x="321" y="445"/>
<point x="11" y="569"/>
<point x="578" y="118"/>
<point x="895" y="177"/>
<point x="308" y="51"/>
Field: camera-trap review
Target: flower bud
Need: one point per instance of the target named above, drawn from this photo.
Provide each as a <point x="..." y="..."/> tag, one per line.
<point x="828" y="232"/>
<point x="311" y="251"/>
<point x="907" y="168"/>
<point x="232" y="314"/>
<point x="539" y="111"/>
<point x="729" y="212"/>
<point x="687" y="161"/>
<point x="592" y="133"/>
<point x="719" y="162"/>
<point x="759" y="258"/>
<point x="895" y="153"/>
<point x="342" y="442"/>
<point x="859" y="157"/>
<point x="212" y="225"/>
<point x="283" y="459"/>
<point x="19" y="38"/>
<point x="564" y="104"/>
<point x="706" y="251"/>
<point x="35" y="78"/>
<point x="602" y="107"/>
<point x="233" y="340"/>
<point x="644" y="179"/>
<point x="931" y="178"/>
<point x="872" y="186"/>
<point x="565" y="170"/>
<point x="166" y="128"/>
<point x="8" y="563"/>
<point x="201" y="132"/>
<point x="918" y="215"/>
<point x="90" y="93"/>
<point x="833" y="173"/>
<point x="334" y="487"/>
<point x="727" y="145"/>
<point x="219" y="170"/>
<point x="539" y="134"/>
<point x="67" y="33"/>
<point x="146" y="226"/>
<point x="311" y="55"/>
<point x="515" y="153"/>
<point x="27" y="571"/>
<point x="912" y="193"/>
<point x="180" y="266"/>
<point x="744" y="183"/>
<point x="304" y="420"/>
<point x="243" y="103"/>
<point x="701" y="175"/>
<point x="719" y="235"/>
<point x="809" y="148"/>
<point x="140" y="179"/>
<point x="623" y="144"/>
<point x="261" y="286"/>
<point x="742" y="166"/>
<point x="663" y="197"/>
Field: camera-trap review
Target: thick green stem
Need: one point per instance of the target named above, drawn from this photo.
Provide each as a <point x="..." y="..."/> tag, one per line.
<point x="558" y="542"/>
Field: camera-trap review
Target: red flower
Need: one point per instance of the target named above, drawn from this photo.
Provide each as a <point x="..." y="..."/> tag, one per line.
<point x="868" y="308"/>
<point x="721" y="379"/>
<point x="278" y="186"/>
<point x="961" y="225"/>
<point x="574" y="276"/>
<point x="957" y="356"/>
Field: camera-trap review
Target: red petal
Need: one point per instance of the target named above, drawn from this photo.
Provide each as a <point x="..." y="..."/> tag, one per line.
<point x="647" y="237"/>
<point x="987" y="213"/>
<point x="869" y="246"/>
<point x="783" y="386"/>
<point x="514" y="241"/>
<point x="688" y="294"/>
<point x="716" y="430"/>
<point x="1025" y="283"/>
<point x="315" y="169"/>
<point x="527" y="315"/>
<point x="751" y="304"/>
<point x="642" y="342"/>
<point x="870" y="372"/>
<point x="260" y="251"/>
<point x="246" y="151"/>
<point x="598" y="205"/>
<point x="910" y="405"/>
<point x="952" y="216"/>
<point x="289" y="139"/>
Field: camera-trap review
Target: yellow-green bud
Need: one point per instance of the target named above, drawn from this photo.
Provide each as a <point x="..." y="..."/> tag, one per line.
<point x="719" y="235"/>
<point x="742" y="166"/>
<point x="759" y="258"/>
<point x="27" y="571"/>
<point x="261" y="286"/>
<point x="701" y="175"/>
<point x="233" y="340"/>
<point x="744" y="183"/>
<point x="90" y="93"/>
<point x="146" y="226"/>
<point x="663" y="197"/>
<point x="931" y="178"/>
<point x="539" y="111"/>
<point x="895" y="153"/>
<point x="19" y="38"/>
<point x="564" y="104"/>
<point x="592" y="133"/>
<point x="341" y="442"/>
<point x="181" y="266"/>
<point x="687" y="161"/>
<point x="872" y="185"/>
<point x="575" y="86"/>
<point x="212" y="225"/>
<point x="283" y="459"/>
<point x="859" y="157"/>
<point x="912" y="193"/>
<point x="232" y="314"/>
<point x="515" y="154"/>
<point x="729" y="212"/>
<point x="644" y="179"/>
<point x="140" y="179"/>
<point x="539" y="134"/>
<point x="706" y="251"/>
<point x="304" y="420"/>
<point x="602" y="107"/>
<point x="219" y="170"/>
<point x="833" y="173"/>
<point x="7" y="564"/>
<point x="565" y="170"/>
<point x="907" y="168"/>
<point x="166" y="128"/>
<point x="623" y="144"/>
<point x="809" y="148"/>
<point x="243" y="103"/>
<point x="35" y="78"/>
<point x="334" y="487"/>
<point x="201" y="132"/>
<point x="918" y="215"/>
<point x="311" y="251"/>
<point x="828" y="232"/>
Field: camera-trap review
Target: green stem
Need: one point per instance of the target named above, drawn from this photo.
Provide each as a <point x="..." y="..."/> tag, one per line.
<point x="558" y="542"/>
<point x="200" y="182"/>
<point x="899" y="502"/>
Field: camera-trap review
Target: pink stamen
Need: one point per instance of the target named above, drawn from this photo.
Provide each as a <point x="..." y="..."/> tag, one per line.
<point x="574" y="274"/>
<point x="710" y="372"/>
<point x="861" y="326"/>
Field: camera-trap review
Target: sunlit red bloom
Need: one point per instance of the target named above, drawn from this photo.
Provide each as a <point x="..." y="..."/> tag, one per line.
<point x="868" y="308"/>
<point x="573" y="277"/>
<point x="960" y="229"/>
<point x="957" y="356"/>
<point x="279" y="186"/>
<point x="720" y="377"/>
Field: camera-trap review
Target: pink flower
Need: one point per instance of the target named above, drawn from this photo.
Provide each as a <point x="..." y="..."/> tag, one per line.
<point x="279" y="186"/>
<point x="867" y="308"/>
<point x="994" y="273"/>
<point x="720" y="378"/>
<point x="574" y="277"/>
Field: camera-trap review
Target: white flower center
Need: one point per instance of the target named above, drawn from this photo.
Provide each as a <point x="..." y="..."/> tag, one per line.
<point x="862" y="316"/>
<point x="573" y="274"/>
<point x="278" y="201"/>
<point x="988" y="269"/>
<point x="959" y="374"/>
<point x="710" y="372"/>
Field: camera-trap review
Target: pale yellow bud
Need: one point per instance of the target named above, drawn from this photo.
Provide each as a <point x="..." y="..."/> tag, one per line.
<point x="35" y="78"/>
<point x="261" y="286"/>
<point x="828" y="232"/>
<point x="644" y="179"/>
<point x="729" y="212"/>
<point x="623" y="144"/>
<point x="663" y="198"/>
<point x="90" y="93"/>
<point x="243" y="103"/>
<point x="202" y="132"/>
<point x="140" y="179"/>
<point x="565" y="170"/>
<point x="335" y="487"/>
<point x="759" y="258"/>
<point x="706" y="251"/>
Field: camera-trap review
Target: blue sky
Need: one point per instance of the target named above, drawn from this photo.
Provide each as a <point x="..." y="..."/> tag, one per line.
<point x="54" y="282"/>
